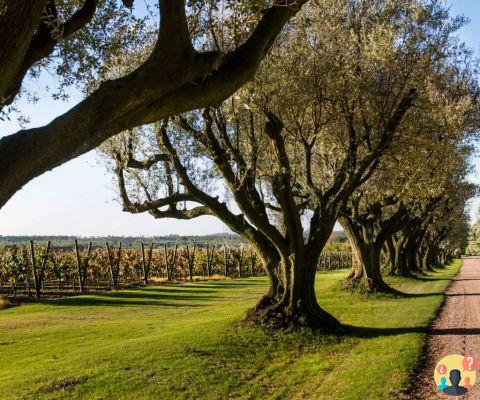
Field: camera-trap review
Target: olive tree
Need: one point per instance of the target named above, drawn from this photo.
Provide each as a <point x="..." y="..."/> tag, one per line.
<point x="179" y="74"/>
<point x="433" y="239"/>
<point x="399" y="211"/>
<point x="279" y="160"/>
<point x="413" y="177"/>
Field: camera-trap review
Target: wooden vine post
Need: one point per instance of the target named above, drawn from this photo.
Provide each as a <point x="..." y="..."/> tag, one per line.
<point x="82" y="265"/>
<point x="170" y="265"/>
<point x="27" y="280"/>
<point x="146" y="262"/>
<point x="210" y="254"/>
<point x="165" y="261"/>
<point x="38" y="275"/>
<point x="174" y="262"/>
<point x="191" y="262"/>
<point x="226" y="260"/>
<point x="114" y="265"/>
<point x="240" y="262"/>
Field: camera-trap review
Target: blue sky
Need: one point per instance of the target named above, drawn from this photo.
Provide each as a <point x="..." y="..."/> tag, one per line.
<point x="77" y="198"/>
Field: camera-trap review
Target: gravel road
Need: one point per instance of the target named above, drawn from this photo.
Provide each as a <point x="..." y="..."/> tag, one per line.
<point x="455" y="331"/>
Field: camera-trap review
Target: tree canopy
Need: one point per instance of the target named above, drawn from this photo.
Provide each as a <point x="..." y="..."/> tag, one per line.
<point x="189" y="64"/>
<point x="346" y="85"/>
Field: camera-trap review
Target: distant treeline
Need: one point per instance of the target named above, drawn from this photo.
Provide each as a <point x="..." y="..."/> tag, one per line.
<point x="228" y="239"/>
<point x="231" y="240"/>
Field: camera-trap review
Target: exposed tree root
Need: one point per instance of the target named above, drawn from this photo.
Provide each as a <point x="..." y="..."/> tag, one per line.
<point x="277" y="315"/>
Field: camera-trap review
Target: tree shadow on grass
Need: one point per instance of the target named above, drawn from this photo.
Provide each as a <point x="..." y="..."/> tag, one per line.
<point x="80" y="301"/>
<point x="223" y="284"/>
<point x="417" y="295"/>
<point x="162" y="294"/>
<point x="393" y="293"/>
<point x="406" y="295"/>
<point x="365" y="332"/>
<point x="140" y="297"/>
<point x="427" y="278"/>
<point x="431" y="275"/>
<point x="461" y="294"/>
<point x="455" y="331"/>
<point x="191" y="295"/>
<point x="174" y="289"/>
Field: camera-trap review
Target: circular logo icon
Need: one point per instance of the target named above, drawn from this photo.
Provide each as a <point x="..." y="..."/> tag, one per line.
<point x="455" y="375"/>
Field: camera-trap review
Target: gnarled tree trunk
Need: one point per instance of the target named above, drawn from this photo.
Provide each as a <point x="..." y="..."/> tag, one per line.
<point x="389" y="243"/>
<point x="410" y="257"/>
<point x="401" y="267"/>
<point x="366" y="270"/>
<point x="291" y="301"/>
<point x="427" y="259"/>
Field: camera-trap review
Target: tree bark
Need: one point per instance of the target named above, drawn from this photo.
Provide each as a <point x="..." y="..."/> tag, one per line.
<point x="173" y="80"/>
<point x="366" y="271"/>
<point x="293" y="303"/>
<point x="391" y="254"/>
<point x="18" y="22"/>
<point x="400" y="257"/>
<point x="427" y="260"/>
<point x="292" y="300"/>
<point x="40" y="45"/>
<point x="410" y="256"/>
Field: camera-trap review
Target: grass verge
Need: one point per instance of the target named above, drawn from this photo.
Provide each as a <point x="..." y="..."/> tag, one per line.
<point x="185" y="342"/>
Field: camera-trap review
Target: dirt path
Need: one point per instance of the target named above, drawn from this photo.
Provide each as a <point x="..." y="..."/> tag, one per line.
<point x="456" y="331"/>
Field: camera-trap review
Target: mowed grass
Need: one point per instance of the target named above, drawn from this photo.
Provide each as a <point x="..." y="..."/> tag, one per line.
<point x="186" y="342"/>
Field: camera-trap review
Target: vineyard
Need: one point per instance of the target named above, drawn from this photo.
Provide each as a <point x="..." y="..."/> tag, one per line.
<point x="33" y="270"/>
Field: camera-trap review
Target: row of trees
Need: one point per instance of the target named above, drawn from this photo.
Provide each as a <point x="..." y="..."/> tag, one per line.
<point x="413" y="209"/>
<point x="361" y="113"/>
<point x="36" y="269"/>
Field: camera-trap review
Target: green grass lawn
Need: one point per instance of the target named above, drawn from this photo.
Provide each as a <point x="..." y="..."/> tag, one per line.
<point x="186" y="342"/>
